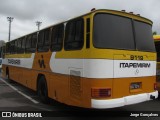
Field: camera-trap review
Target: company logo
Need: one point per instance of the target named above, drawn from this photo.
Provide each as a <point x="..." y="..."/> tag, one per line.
<point x="6" y="114"/>
<point x="135" y="65"/>
<point x="13" y="61"/>
<point x="136" y="72"/>
<point x="21" y="114"/>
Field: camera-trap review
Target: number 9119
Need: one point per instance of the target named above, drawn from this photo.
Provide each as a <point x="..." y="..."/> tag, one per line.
<point x="136" y="57"/>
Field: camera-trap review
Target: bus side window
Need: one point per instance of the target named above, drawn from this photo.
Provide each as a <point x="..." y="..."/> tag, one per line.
<point x="31" y="43"/>
<point x="28" y="44"/>
<point x="88" y="33"/>
<point x="44" y="40"/>
<point x="19" y="45"/>
<point x="57" y="37"/>
<point x="74" y="39"/>
<point x="15" y="47"/>
<point x="8" y="47"/>
<point x="23" y="44"/>
<point x="12" y="46"/>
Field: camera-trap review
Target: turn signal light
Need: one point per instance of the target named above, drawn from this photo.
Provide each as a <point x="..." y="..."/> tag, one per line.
<point x="100" y="92"/>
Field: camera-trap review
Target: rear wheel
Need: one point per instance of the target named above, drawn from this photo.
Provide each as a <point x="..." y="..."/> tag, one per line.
<point x="43" y="90"/>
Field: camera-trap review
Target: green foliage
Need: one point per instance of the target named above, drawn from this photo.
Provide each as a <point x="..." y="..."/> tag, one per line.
<point x="154" y="33"/>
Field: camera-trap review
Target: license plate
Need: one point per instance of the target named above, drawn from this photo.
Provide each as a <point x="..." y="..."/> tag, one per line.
<point x="135" y="85"/>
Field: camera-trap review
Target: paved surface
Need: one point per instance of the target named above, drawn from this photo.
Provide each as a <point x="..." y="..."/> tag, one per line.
<point x="12" y="100"/>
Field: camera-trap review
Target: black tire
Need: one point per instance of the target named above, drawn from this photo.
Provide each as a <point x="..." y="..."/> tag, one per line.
<point x="43" y="90"/>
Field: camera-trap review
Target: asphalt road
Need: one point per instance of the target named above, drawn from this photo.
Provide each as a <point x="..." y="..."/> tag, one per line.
<point x="15" y="97"/>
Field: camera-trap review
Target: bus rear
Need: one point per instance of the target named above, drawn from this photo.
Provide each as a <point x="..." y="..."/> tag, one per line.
<point x="124" y="64"/>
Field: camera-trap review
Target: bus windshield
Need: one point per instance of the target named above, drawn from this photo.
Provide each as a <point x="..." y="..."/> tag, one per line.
<point x="113" y="31"/>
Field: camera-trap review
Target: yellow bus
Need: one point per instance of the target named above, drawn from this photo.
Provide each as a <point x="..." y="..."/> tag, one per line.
<point x="157" y="45"/>
<point x="103" y="59"/>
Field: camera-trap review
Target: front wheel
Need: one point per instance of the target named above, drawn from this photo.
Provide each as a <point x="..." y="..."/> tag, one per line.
<point x="43" y="90"/>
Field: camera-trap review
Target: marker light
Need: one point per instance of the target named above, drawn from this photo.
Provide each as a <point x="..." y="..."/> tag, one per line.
<point x="131" y="12"/>
<point x="155" y="86"/>
<point x="93" y="9"/>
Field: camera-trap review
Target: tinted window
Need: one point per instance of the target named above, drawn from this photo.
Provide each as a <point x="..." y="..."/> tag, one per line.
<point x="88" y="33"/>
<point x="15" y="46"/>
<point x="28" y="44"/>
<point x="8" y="47"/>
<point x="31" y="41"/>
<point x="112" y="31"/>
<point x="144" y="37"/>
<point x="21" y="45"/>
<point x="34" y="41"/>
<point x="57" y="37"/>
<point x="74" y="35"/>
<point x="44" y="40"/>
<point x="40" y="40"/>
<point x="12" y="47"/>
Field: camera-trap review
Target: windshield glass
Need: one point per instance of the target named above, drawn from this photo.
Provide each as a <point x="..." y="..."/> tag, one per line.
<point x="113" y="31"/>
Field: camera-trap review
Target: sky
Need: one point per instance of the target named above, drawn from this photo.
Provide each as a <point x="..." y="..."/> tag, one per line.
<point x="49" y="12"/>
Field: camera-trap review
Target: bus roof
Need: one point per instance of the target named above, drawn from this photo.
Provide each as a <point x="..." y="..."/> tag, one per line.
<point x="115" y="12"/>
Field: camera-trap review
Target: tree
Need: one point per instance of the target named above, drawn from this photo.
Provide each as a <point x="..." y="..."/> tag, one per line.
<point x="154" y="33"/>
